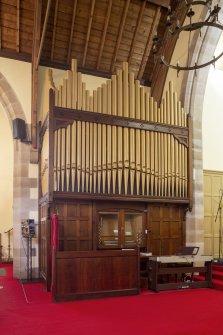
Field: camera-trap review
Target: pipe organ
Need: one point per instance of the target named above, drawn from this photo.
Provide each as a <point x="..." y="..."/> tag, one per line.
<point x="118" y="141"/>
<point x="113" y="154"/>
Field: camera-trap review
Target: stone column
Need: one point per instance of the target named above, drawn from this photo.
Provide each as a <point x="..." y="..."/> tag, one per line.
<point x="25" y="206"/>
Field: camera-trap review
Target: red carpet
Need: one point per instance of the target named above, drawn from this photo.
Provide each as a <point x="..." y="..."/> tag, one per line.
<point x="28" y="310"/>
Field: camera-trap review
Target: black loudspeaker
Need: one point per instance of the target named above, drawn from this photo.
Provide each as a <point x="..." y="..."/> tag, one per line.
<point x="19" y="129"/>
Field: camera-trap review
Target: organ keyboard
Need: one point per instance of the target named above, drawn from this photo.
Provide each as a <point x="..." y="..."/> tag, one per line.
<point x="168" y="272"/>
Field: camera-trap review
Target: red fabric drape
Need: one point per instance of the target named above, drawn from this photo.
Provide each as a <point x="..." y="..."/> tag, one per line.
<point x="54" y="232"/>
<point x="54" y="243"/>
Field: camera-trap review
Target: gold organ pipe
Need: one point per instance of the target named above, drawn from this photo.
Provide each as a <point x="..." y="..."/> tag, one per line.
<point x="95" y="152"/>
<point x="83" y="103"/>
<point x="109" y="137"/>
<point x="68" y="157"/>
<point x="79" y="90"/>
<point x="74" y="155"/>
<point x="99" y="131"/>
<point x="152" y="162"/>
<point x="156" y="156"/>
<point x="79" y="154"/>
<point x="147" y="106"/>
<point x="158" y="153"/>
<point x="79" y="133"/>
<point x="74" y="83"/>
<point x="143" y="141"/>
<point x="83" y="155"/>
<point x="132" y="131"/>
<point x="87" y="100"/>
<point x="55" y="160"/>
<point x="91" y="104"/>
<point x="59" y="132"/>
<point x="88" y="143"/>
<point x="138" y="140"/>
<point x="120" y="113"/>
<point x="69" y="89"/>
<point x="60" y="95"/>
<point x="87" y="156"/>
<point x="114" y="133"/>
<point x="168" y="147"/>
<point x="91" y="154"/>
<point x="162" y="157"/>
<point x="104" y="138"/>
<point x="64" y="93"/>
<point x="176" y="147"/>
<point x="63" y="157"/>
<point x="126" y="130"/>
<point x="147" y="146"/>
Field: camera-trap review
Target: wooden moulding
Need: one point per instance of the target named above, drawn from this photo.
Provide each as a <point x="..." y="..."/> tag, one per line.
<point x="64" y="116"/>
<point x="120" y="197"/>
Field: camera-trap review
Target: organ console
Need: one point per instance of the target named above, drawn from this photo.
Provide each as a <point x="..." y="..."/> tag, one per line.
<point x="174" y="269"/>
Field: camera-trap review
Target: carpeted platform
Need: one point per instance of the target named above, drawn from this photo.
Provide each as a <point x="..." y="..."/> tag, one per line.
<point x="28" y="310"/>
<point x="2" y="272"/>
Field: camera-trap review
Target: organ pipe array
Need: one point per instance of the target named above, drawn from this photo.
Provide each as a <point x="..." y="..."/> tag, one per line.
<point x="118" y="141"/>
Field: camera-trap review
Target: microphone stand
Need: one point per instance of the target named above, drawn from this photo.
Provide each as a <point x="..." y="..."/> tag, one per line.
<point x="220" y="224"/>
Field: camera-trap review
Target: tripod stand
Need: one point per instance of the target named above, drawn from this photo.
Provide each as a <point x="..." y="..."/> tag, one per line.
<point x="219" y="213"/>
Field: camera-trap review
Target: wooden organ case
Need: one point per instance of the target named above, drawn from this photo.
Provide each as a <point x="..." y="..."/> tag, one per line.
<point x="116" y="168"/>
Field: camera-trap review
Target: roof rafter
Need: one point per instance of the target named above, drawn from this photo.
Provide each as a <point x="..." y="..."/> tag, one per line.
<point x="43" y="32"/>
<point x="54" y="29"/>
<point x="71" y="31"/>
<point x="161" y="3"/>
<point x="121" y="29"/>
<point x="104" y="32"/>
<point x="35" y="49"/>
<point x="18" y="26"/>
<point x="139" y="20"/>
<point x="148" y="44"/>
<point x="88" y="32"/>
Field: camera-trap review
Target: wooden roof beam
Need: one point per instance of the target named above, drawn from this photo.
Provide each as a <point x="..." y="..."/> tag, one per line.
<point x="71" y="31"/>
<point x="18" y="26"/>
<point x="104" y="32"/>
<point x="161" y="3"/>
<point x="148" y="43"/>
<point x="88" y="32"/>
<point x="36" y="41"/>
<point x="43" y="33"/>
<point x="121" y="29"/>
<point x="54" y="29"/>
<point x="139" y="20"/>
<point x="0" y="26"/>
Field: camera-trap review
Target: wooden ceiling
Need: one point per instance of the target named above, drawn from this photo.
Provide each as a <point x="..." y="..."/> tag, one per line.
<point x="100" y="34"/>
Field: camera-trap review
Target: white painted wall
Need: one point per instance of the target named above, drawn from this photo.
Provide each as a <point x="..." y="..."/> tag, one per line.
<point x="6" y="175"/>
<point x="213" y="122"/>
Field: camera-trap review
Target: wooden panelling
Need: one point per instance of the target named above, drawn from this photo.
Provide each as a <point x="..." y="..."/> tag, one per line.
<point x="166" y="226"/>
<point x="86" y="275"/>
<point x="213" y="188"/>
<point x="44" y="243"/>
<point x="75" y="225"/>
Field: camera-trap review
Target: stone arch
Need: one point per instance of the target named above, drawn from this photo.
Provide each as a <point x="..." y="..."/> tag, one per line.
<point x="193" y="104"/>
<point x="25" y="196"/>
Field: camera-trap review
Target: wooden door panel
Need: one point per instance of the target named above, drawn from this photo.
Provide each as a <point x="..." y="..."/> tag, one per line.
<point x="166" y="225"/>
<point x="75" y="225"/>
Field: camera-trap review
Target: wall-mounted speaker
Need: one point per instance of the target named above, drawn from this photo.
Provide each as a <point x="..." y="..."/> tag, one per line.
<point x="19" y="129"/>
